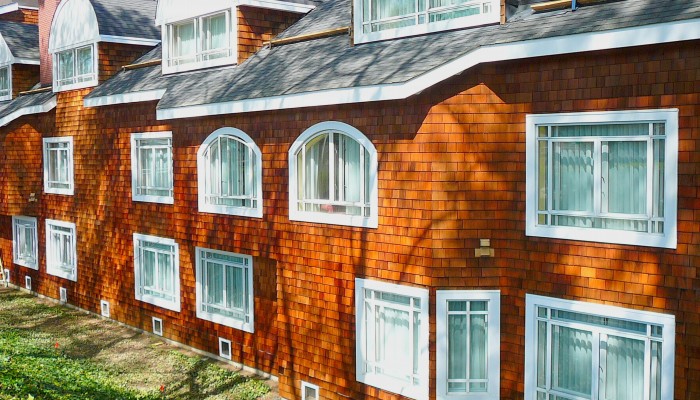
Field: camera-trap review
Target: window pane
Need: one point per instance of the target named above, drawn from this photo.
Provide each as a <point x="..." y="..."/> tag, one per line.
<point x="659" y="152"/>
<point x="395" y="357"/>
<point x="146" y="168"/>
<point x="391" y="8"/>
<point x="542" y="166"/>
<point x="235" y="288"/>
<point x="457" y="347"/>
<point x="478" y="334"/>
<point x="624" y="370"/>
<point x="572" y="176"/>
<point x="572" y="360"/>
<point x="601" y="130"/>
<point x="317" y="168"/>
<point x="4" y="81"/>
<point x="85" y="60"/>
<point x="624" y="165"/>
<point x="656" y="359"/>
<point x="215" y="39"/>
<point x="184" y="41"/>
<point x="349" y="170"/>
<point x="148" y="268"/>
<point x="214" y="284"/>
<point x="65" y="65"/>
<point x="541" y="354"/>
<point x="165" y="272"/>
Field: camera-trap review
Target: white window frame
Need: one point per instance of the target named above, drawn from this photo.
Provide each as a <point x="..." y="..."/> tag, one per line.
<point x="136" y="139"/>
<point x="247" y="326"/>
<point x="493" y="298"/>
<point x="668" y="239"/>
<point x="254" y="174"/>
<point x="419" y="391"/>
<point x="167" y="30"/>
<point x="225" y="342"/>
<point x="174" y="304"/>
<point x="8" y="95"/>
<point x="20" y="222"/>
<point x="157" y="326"/>
<point x="51" y="267"/>
<point x="70" y="173"/>
<point x="104" y="309"/>
<point x="668" y="323"/>
<point x="371" y="221"/>
<point x="492" y="16"/>
<point x="75" y="81"/>
<point x="306" y="385"/>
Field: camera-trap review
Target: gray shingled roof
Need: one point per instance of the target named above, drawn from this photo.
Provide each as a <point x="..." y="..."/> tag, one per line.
<point x="22" y="39"/>
<point x="22" y="105"/>
<point x="128" y="18"/>
<point x="21" y="3"/>
<point x="333" y="63"/>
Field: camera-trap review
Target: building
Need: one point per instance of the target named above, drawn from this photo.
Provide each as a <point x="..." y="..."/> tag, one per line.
<point x="465" y="200"/>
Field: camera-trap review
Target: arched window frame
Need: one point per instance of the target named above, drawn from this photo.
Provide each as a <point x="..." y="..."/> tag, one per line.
<point x="202" y="163"/>
<point x="295" y="214"/>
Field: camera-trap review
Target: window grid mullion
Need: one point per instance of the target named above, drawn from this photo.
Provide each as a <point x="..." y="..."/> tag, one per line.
<point x="597" y="177"/>
<point x="331" y="166"/>
<point x="302" y="195"/>
<point x="550" y="173"/>
<point x="647" y="365"/>
<point x="220" y="167"/>
<point x="469" y="340"/>
<point x="650" y="180"/>
<point x="598" y="369"/>
<point x="363" y="195"/>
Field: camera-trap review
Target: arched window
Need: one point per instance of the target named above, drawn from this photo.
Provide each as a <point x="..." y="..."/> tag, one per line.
<point x="230" y="174"/>
<point x="333" y="176"/>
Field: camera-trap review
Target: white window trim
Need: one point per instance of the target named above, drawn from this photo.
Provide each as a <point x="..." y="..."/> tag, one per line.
<point x="8" y="96"/>
<point x="157" y="326"/>
<point x="494" y="16"/>
<point x="71" y="168"/>
<point x="667" y="321"/>
<point x="669" y="237"/>
<point x="306" y="385"/>
<point x="494" y="342"/>
<point x="254" y="212"/>
<point x="165" y="28"/>
<point x="157" y="301"/>
<point x="380" y="381"/>
<point x="217" y="318"/>
<point x="79" y="85"/>
<point x="327" y="218"/>
<point x="135" y="137"/>
<point x="223" y="342"/>
<point x="15" y="259"/>
<point x="50" y="268"/>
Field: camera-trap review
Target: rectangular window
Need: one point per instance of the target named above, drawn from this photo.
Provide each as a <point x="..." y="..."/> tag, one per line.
<point x="61" y="256"/>
<point x="152" y="167"/>
<point x="6" y="83"/>
<point x="225" y="288"/>
<point x="392" y="337"/>
<point x="608" y="176"/>
<point x="200" y="42"/>
<point x="58" y="165"/>
<point x="75" y="68"/>
<point x="157" y="271"/>
<point x="24" y="242"/>
<point x="309" y="391"/>
<point x="579" y="350"/>
<point x="468" y="344"/>
<point x="387" y="19"/>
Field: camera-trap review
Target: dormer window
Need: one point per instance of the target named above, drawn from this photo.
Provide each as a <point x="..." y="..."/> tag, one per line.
<point x="388" y="19"/>
<point x="75" y="66"/>
<point x="204" y="41"/>
<point x="5" y="83"/>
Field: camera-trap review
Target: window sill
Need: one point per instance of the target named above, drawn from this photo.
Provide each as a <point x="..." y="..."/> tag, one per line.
<point x="197" y="65"/>
<point x="334" y="219"/>
<point x="156" y="301"/>
<point x="667" y="240"/>
<point x="393" y="385"/>
<point x="61" y="274"/>
<point x="153" y="199"/>
<point x="66" y="192"/>
<point x="23" y="263"/>
<point x="231" y="210"/>
<point x="74" y="86"/>
<point x="226" y="321"/>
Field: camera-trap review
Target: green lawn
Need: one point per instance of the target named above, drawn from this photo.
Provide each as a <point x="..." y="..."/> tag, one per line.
<point x="50" y="352"/>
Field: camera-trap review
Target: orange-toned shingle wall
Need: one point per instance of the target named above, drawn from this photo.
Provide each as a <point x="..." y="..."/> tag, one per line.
<point x="24" y="77"/>
<point x="23" y="15"/>
<point x="113" y="56"/>
<point x="257" y="26"/>
<point x="451" y="171"/>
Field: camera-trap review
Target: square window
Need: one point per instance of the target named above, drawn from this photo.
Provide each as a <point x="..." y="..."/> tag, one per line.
<point x="392" y="337"/>
<point x="63" y="295"/>
<point x="28" y="283"/>
<point x="61" y="256"/>
<point x="24" y="242"/>
<point x="157" y="271"/>
<point x="201" y="42"/>
<point x="75" y="68"/>
<point x="6" y="83"/>
<point x="603" y="176"/>
<point x="225" y="288"/>
<point x="309" y="391"/>
<point x="58" y="165"/>
<point x="104" y="308"/>
<point x="224" y="348"/>
<point x="586" y="350"/>
<point x="468" y="344"/>
<point x="152" y="167"/>
<point x="157" y="326"/>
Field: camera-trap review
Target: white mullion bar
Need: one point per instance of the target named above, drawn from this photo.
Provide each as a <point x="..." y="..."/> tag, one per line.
<point x="647" y="364"/>
<point x="249" y="168"/>
<point x="469" y="339"/>
<point x="220" y="169"/>
<point x="550" y="183"/>
<point x="331" y="166"/>
<point x="597" y="176"/>
<point x="170" y="167"/>
<point x="548" y="353"/>
<point x="301" y="197"/>
<point x="597" y="368"/>
<point x="362" y="179"/>
<point x="650" y="178"/>
<point x="411" y="333"/>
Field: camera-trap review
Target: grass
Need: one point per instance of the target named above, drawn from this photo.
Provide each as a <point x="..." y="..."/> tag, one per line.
<point x="50" y="352"/>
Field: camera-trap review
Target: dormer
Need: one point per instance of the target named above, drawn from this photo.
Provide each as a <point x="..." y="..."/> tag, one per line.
<point x="197" y="35"/>
<point x="215" y="33"/>
<point x="19" y="58"/>
<point x="375" y="20"/>
<point x="79" y="25"/>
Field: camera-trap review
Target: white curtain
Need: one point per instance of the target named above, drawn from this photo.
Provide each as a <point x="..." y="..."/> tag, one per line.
<point x="394" y="343"/>
<point x="214" y="169"/>
<point x="165" y="273"/>
<point x="215" y="284"/>
<point x="349" y="163"/>
<point x="27" y="243"/>
<point x="147" y="178"/>
<point x="624" y="370"/>
<point x="65" y="65"/>
<point x="148" y="268"/>
<point x="215" y="29"/>
<point x="572" y="359"/>
<point x="317" y="169"/>
<point x="85" y="60"/>
<point x="4" y="81"/>
<point x="235" y="288"/>
<point x="572" y="176"/>
<point x="478" y="347"/>
<point x="185" y="44"/>
<point x="457" y="351"/>
<point x="624" y="169"/>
